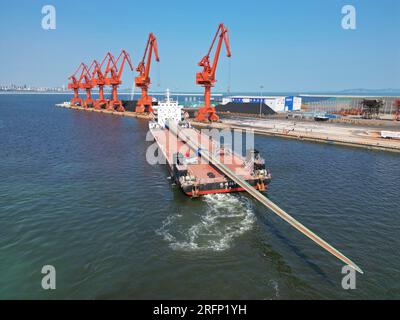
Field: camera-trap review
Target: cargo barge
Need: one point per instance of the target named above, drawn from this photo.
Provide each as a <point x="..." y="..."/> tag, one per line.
<point x="195" y="176"/>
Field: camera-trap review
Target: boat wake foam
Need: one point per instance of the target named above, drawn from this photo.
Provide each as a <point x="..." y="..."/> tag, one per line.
<point x="274" y="284"/>
<point x="225" y="218"/>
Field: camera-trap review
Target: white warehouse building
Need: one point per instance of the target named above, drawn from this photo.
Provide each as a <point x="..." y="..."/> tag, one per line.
<point x="277" y="103"/>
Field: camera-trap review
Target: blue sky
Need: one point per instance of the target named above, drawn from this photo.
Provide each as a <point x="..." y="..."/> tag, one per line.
<point x="281" y="44"/>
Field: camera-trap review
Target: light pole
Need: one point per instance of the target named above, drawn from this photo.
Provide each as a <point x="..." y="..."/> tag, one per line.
<point x="261" y="99"/>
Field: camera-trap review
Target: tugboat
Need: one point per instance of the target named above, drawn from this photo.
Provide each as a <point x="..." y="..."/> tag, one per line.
<point x="189" y="171"/>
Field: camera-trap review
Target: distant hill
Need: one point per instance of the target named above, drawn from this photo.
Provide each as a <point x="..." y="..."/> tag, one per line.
<point x="362" y="91"/>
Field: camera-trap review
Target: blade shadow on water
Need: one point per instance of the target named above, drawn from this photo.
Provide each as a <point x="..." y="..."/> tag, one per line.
<point x="294" y="248"/>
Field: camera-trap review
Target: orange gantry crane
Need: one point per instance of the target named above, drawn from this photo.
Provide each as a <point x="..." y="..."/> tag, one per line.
<point x="99" y="79"/>
<point x="75" y="84"/>
<point x="206" y="78"/>
<point x="115" y="70"/>
<point x="88" y="84"/>
<point x="142" y="81"/>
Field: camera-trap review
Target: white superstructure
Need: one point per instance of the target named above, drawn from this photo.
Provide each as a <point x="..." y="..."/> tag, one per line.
<point x="167" y="111"/>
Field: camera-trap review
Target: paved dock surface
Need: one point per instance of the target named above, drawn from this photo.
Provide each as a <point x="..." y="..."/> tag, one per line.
<point x="362" y="136"/>
<point x="332" y="133"/>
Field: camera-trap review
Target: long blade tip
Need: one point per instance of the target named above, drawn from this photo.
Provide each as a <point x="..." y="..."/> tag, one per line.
<point x="358" y="269"/>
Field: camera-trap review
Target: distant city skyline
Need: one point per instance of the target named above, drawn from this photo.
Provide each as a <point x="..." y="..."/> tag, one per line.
<point x="64" y="89"/>
<point x="25" y="87"/>
<point x="284" y="46"/>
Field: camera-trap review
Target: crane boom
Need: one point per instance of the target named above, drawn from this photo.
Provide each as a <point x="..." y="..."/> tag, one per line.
<point x="125" y="57"/>
<point x="206" y="78"/>
<point x="143" y="80"/>
<point x="224" y="35"/>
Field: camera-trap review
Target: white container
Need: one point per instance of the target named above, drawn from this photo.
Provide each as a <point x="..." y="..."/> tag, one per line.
<point x="390" y="134"/>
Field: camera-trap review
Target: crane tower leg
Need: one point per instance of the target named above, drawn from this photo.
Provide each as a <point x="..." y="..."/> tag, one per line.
<point x="207" y="112"/>
<point x="145" y="102"/>
<point x="115" y="102"/>
<point x="101" y="101"/>
<point x="76" y="100"/>
<point x="89" y="102"/>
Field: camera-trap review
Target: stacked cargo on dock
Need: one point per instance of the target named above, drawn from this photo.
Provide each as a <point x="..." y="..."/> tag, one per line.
<point x="245" y="108"/>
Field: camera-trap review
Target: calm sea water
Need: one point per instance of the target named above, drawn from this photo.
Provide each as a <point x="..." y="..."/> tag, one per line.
<point x="76" y="192"/>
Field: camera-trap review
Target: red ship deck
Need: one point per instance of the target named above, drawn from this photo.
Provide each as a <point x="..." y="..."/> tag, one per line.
<point x="170" y="145"/>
